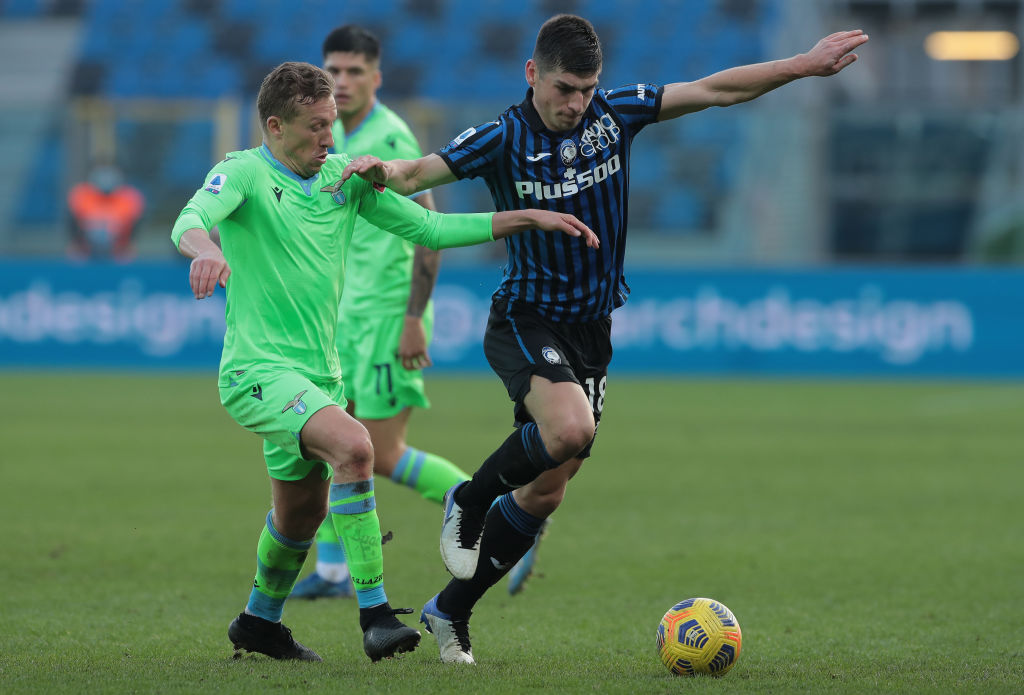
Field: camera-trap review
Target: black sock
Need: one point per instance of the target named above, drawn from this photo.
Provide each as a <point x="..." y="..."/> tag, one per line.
<point x="519" y="459"/>
<point x="502" y="545"/>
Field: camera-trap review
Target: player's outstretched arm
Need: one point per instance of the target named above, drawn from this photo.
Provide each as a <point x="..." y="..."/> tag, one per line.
<point x="736" y="85"/>
<point x="403" y="176"/>
<point x="511" y="222"/>
<point x="209" y="267"/>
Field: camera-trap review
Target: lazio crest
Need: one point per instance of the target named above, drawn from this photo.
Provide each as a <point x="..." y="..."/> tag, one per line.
<point x="336" y="193"/>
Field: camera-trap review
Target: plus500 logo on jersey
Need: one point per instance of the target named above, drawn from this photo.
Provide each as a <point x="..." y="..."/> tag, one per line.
<point x="582" y="181"/>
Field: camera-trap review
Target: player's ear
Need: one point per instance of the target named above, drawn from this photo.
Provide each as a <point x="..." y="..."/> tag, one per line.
<point x="531" y="73"/>
<point x="274" y="125"/>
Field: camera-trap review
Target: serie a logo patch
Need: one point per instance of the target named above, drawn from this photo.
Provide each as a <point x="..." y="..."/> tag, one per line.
<point x="215" y="183"/>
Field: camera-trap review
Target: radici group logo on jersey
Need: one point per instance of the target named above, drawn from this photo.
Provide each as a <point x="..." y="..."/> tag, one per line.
<point x="599" y="135"/>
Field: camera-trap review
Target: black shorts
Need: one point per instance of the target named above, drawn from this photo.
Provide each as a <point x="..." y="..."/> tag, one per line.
<point x="519" y="343"/>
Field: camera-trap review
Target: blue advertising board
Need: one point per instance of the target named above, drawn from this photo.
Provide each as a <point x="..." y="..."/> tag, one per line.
<point x="959" y="322"/>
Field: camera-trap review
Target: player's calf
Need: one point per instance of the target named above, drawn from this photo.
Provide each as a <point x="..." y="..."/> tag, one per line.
<point x="523" y="569"/>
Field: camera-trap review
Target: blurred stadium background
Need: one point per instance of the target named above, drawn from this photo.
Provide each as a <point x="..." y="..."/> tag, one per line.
<point x="864" y="530"/>
<point x="875" y="206"/>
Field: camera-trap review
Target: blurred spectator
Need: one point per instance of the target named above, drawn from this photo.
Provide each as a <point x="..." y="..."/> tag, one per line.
<point x="105" y="211"/>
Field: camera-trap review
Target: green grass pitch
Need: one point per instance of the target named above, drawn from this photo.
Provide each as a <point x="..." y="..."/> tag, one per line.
<point x="868" y="536"/>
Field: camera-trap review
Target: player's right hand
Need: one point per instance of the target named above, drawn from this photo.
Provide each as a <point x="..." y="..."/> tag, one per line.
<point x="368" y="167"/>
<point x="208" y="270"/>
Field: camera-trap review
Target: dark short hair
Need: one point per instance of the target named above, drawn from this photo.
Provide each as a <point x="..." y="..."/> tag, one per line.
<point x="289" y="85"/>
<point x="352" y="38"/>
<point x="567" y="42"/>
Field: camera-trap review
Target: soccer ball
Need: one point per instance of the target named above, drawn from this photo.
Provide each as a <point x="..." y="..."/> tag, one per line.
<point x="699" y="635"/>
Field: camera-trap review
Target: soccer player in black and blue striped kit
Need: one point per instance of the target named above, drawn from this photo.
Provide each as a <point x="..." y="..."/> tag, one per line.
<point x="565" y="147"/>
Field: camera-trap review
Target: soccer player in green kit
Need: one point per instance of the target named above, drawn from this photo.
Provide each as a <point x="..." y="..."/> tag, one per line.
<point x="386" y="317"/>
<point x="286" y="222"/>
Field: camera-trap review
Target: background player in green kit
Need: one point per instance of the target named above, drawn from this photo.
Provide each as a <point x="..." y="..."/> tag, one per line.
<point x="385" y="318"/>
<point x="286" y="222"/>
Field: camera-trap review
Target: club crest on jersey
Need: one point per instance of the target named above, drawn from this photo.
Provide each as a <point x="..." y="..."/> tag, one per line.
<point x="550" y="354"/>
<point x="296" y="404"/>
<point x="337" y="194"/>
<point x="216" y="183"/>
<point x="567" y="151"/>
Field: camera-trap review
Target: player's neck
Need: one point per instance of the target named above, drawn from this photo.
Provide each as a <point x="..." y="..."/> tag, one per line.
<point x="353" y="121"/>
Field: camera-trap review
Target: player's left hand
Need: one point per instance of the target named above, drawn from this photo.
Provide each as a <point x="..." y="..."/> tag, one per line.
<point x="551" y="221"/>
<point x="412" y="346"/>
<point x="832" y="53"/>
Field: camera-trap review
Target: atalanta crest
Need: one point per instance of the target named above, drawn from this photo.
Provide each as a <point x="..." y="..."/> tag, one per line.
<point x="568" y="151"/>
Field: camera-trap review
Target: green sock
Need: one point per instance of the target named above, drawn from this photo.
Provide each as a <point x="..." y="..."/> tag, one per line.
<point x="278" y="562"/>
<point x="326" y="533"/>
<point x="426" y="473"/>
<point x="354" y="513"/>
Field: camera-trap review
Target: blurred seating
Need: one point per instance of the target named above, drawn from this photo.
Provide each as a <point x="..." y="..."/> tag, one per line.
<point x="448" y="51"/>
<point x="904" y="185"/>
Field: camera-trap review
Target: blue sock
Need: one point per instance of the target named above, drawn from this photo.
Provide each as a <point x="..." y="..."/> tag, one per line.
<point x="330" y="552"/>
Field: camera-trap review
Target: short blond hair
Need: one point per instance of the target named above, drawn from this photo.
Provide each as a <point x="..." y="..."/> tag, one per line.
<point x="289" y="85"/>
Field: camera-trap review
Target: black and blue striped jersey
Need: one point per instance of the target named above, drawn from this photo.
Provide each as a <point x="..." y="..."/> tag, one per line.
<point x="585" y="172"/>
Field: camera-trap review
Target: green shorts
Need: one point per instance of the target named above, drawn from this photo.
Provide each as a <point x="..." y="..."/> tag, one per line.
<point x="275" y="403"/>
<point x="376" y="381"/>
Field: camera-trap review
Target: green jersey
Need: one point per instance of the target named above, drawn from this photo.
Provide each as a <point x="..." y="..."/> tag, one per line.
<point x="379" y="264"/>
<point x="286" y="239"/>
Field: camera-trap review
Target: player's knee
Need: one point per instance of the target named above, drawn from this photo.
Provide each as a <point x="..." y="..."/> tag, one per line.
<point x="570" y="437"/>
<point x="355" y="457"/>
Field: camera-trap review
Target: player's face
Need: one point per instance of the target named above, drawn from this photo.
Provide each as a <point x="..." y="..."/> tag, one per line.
<point x="301" y="143"/>
<point x="356" y="81"/>
<point x="561" y="98"/>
